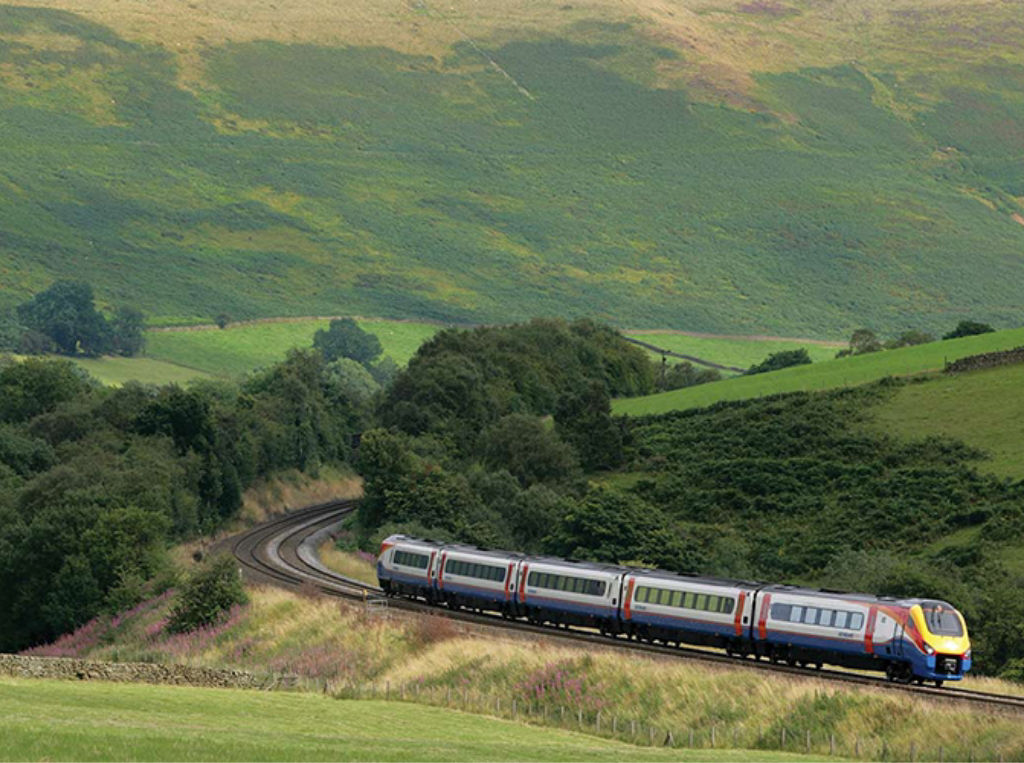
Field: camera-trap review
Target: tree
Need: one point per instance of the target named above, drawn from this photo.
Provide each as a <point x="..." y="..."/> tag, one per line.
<point x="530" y="451"/>
<point x="206" y="596"/>
<point x="861" y="341"/>
<point x="583" y="419"/>
<point x="778" y="360"/>
<point x="65" y="312"/>
<point x="35" y="386"/>
<point x="126" y="329"/>
<point x="685" y="374"/>
<point x="968" y="328"/>
<point x="344" y="339"/>
<point x="909" y="339"/>
<point x="352" y="380"/>
<point x="222" y="320"/>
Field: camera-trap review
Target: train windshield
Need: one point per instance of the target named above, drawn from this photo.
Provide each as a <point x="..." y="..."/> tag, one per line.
<point x="942" y="620"/>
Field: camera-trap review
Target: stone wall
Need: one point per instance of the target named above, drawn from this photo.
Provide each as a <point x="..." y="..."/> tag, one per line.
<point x="986" y="360"/>
<point x="138" y="672"/>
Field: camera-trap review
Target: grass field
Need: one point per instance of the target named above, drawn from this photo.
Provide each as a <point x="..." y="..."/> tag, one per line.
<point x="838" y="372"/>
<point x="238" y="349"/>
<point x="744" y="167"/>
<point x="983" y="408"/>
<point x="117" y="371"/>
<point x="50" y="720"/>
<point x="736" y="352"/>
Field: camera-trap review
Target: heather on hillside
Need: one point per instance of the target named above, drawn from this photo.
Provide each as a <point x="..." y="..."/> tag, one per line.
<point x="624" y="168"/>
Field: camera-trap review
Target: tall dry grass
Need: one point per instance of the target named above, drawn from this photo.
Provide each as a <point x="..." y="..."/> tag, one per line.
<point x="347" y="650"/>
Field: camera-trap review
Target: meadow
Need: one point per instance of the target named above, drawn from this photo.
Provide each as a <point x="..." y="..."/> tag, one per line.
<point x="723" y="169"/>
<point x="50" y="720"/>
<point x="238" y="349"/>
<point x="341" y="649"/>
<point x="738" y="352"/>
<point x="839" y="372"/>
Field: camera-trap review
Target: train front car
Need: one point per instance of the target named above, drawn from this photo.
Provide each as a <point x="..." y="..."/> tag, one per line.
<point x="936" y="641"/>
<point x="909" y="639"/>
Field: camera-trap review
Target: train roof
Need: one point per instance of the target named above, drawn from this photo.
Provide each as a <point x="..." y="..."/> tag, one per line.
<point x="576" y="564"/>
<point x="684" y="577"/>
<point x="867" y="598"/>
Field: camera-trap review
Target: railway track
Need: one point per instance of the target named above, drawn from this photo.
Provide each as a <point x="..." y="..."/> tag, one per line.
<point x="282" y="552"/>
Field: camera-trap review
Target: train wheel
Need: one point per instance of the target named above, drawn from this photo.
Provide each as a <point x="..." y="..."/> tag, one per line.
<point x="938" y="683"/>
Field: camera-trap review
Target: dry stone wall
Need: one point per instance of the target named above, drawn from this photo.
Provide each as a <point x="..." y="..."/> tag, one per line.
<point x="986" y="360"/>
<point x="138" y="672"/>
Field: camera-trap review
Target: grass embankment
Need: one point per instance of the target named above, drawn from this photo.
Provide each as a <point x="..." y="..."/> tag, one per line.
<point x="236" y="350"/>
<point x="839" y="372"/>
<point x="351" y="564"/>
<point x="49" y="720"/>
<point x="340" y="647"/>
<point x="737" y="352"/>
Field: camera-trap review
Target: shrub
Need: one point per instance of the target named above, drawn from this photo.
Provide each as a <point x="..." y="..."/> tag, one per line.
<point x="206" y="596"/>
<point x="968" y="328"/>
<point x="778" y="360"/>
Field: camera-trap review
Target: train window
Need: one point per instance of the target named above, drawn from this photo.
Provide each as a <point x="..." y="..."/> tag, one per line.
<point x="825" y="617"/>
<point x="702" y="601"/>
<point x="689" y="599"/>
<point x="810" y="616"/>
<point x="564" y="583"/>
<point x="409" y="559"/>
<point x="677" y="598"/>
<point x="640" y="595"/>
<point x="781" y="611"/>
<point x="941" y="620"/>
<point x="841" y="619"/>
<point x="856" y="620"/>
<point x="797" y="614"/>
<point x="726" y="605"/>
<point x="598" y="587"/>
<point x="664" y="597"/>
<point x="579" y="584"/>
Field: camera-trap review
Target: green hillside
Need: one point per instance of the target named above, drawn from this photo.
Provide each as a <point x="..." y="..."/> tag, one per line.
<point x="839" y="372"/>
<point x="984" y="409"/>
<point x="791" y="167"/>
<point x="61" y="720"/>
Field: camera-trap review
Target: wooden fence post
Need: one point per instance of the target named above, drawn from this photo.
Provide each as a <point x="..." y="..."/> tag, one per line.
<point x="712" y="736"/>
<point x="832" y="744"/>
<point x="782" y="744"/>
<point x="808" y="741"/>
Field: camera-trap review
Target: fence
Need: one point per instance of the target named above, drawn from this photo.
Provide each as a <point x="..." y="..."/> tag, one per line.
<point x="633" y="730"/>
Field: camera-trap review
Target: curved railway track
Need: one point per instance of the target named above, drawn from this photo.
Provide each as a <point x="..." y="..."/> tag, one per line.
<point x="282" y="552"/>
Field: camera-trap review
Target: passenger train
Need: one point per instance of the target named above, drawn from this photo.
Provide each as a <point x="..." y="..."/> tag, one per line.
<point x="909" y="639"/>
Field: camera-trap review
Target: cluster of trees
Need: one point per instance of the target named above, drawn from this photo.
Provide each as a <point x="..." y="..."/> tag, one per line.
<point x="485" y="436"/>
<point x="865" y="340"/>
<point x="778" y="360"/>
<point x="64" y="319"/>
<point x="353" y="359"/>
<point x="95" y="482"/>
<point x="684" y="374"/>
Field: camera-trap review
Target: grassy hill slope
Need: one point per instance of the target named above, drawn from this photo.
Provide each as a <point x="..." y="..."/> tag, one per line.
<point x="793" y="167"/>
<point x="51" y="720"/>
<point x="839" y="372"/>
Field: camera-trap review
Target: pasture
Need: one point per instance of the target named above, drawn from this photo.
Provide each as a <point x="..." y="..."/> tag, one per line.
<point x="839" y="372"/>
<point x="239" y="349"/>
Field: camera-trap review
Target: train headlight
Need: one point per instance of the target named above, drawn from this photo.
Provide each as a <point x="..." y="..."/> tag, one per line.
<point x="928" y="650"/>
<point x="967" y="654"/>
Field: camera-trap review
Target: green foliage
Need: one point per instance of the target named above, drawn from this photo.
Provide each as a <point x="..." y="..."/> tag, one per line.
<point x="460" y="382"/>
<point x="344" y="339"/>
<point x="207" y="595"/>
<point x="814" y="495"/>
<point x="909" y="339"/>
<point x="33" y="387"/>
<point x="968" y="328"/>
<point x="352" y="379"/>
<point x="65" y="312"/>
<point x="684" y="374"/>
<point x="778" y="360"/>
<point x="530" y="451"/>
<point x="583" y="419"/>
<point x="126" y="327"/>
<point x="94" y="482"/>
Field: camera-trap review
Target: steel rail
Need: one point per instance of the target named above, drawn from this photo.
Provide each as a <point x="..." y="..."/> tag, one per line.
<point x="280" y="552"/>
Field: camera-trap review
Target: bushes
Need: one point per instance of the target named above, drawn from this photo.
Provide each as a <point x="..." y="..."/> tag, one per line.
<point x="207" y="595"/>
